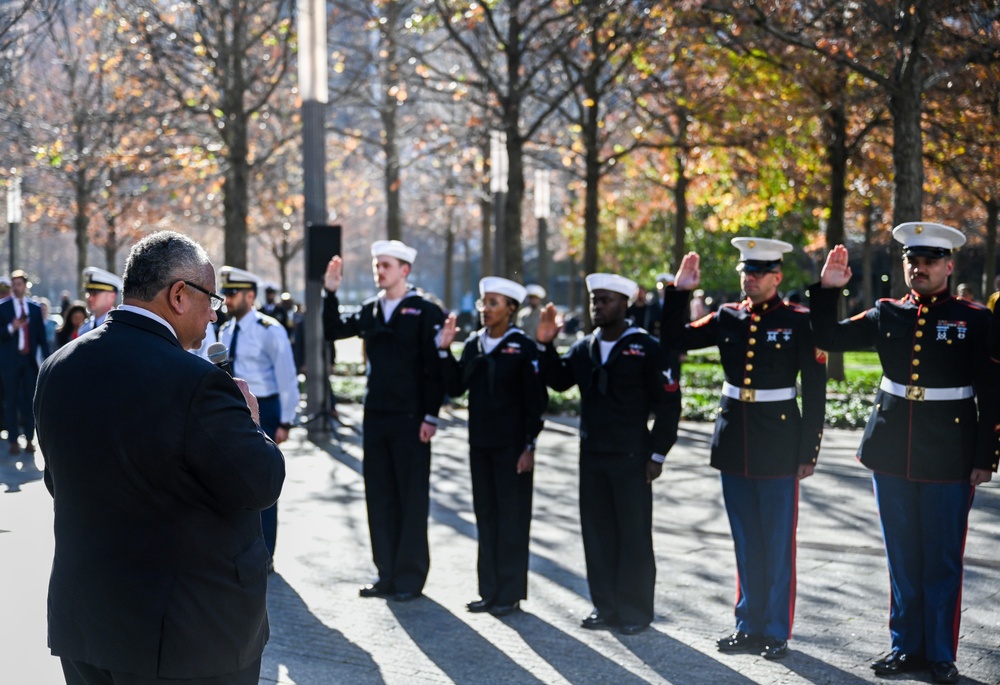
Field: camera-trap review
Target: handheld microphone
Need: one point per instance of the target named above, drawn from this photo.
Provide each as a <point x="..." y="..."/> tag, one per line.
<point x="218" y="354"/>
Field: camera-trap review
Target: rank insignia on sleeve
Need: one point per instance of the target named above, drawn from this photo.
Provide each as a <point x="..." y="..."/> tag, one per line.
<point x="820" y="355"/>
<point x="669" y="384"/>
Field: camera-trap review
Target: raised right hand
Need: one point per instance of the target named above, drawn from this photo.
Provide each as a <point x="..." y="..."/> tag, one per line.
<point x="548" y="328"/>
<point x="836" y="272"/>
<point x="688" y="274"/>
<point x="447" y="334"/>
<point x="334" y="275"/>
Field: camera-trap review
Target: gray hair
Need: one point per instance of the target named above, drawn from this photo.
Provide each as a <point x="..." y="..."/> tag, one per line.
<point x="160" y="260"/>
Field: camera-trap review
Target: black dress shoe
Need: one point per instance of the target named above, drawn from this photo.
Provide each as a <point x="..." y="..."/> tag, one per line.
<point x="897" y="662"/>
<point x="374" y="591"/>
<point x="632" y="628"/>
<point x="407" y="596"/>
<point x="505" y="609"/>
<point x="597" y="622"/>
<point x="740" y="642"/>
<point x="774" y="649"/>
<point x="944" y="672"/>
<point x="479" y="606"/>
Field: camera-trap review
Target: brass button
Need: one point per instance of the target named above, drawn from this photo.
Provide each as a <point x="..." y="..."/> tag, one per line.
<point x="916" y="362"/>
<point x="949" y="341"/>
<point x="916" y="348"/>
<point x="956" y="420"/>
<point x="778" y="346"/>
<point x="921" y="321"/>
<point x="749" y="367"/>
<point x="919" y="334"/>
<point x="877" y="407"/>
<point x="756" y="318"/>
<point x="753" y="341"/>
<point x="749" y="354"/>
<point x="746" y="381"/>
<point x="914" y="376"/>
<point x="782" y="417"/>
<point x="753" y="329"/>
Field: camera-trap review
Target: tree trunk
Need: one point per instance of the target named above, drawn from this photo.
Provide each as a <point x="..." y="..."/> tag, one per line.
<point x="393" y="217"/>
<point x="235" y="193"/>
<point x="990" y="249"/>
<point x="486" y="220"/>
<point x="81" y="221"/>
<point x="680" y="189"/>
<point x="867" y="272"/>
<point x="513" y="252"/>
<point x="543" y="252"/>
<point x="449" y="262"/>
<point x="111" y="244"/>
<point x="835" y="122"/>
<point x="907" y="158"/>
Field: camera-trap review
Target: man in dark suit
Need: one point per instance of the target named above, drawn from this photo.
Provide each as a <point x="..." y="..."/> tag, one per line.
<point x="22" y="338"/>
<point x="160" y="569"/>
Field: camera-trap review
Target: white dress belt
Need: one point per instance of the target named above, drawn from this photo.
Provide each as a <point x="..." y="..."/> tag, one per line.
<point x="920" y="394"/>
<point x="755" y="395"/>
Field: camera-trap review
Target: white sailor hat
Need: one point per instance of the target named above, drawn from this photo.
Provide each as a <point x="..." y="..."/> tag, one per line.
<point x="394" y="248"/>
<point x="665" y="277"/>
<point x="503" y="286"/>
<point x="233" y="280"/>
<point x="612" y="282"/>
<point x="926" y="239"/>
<point x="272" y="286"/>
<point x="760" y="254"/>
<point x="535" y="290"/>
<point x="99" y="280"/>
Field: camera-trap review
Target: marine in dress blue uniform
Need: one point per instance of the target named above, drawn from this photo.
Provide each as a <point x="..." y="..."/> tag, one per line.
<point x="404" y="393"/>
<point x="102" y="289"/>
<point x="623" y="379"/>
<point x="762" y="444"/>
<point x="260" y="354"/>
<point x="931" y="437"/>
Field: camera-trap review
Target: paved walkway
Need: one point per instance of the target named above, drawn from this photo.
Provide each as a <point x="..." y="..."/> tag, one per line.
<point x="323" y="633"/>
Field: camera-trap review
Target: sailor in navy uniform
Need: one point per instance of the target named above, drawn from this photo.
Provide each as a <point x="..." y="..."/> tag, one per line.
<point x="102" y="288"/>
<point x="931" y="438"/>
<point x="623" y="379"/>
<point x="762" y="445"/>
<point x="260" y="354"/>
<point x="404" y="393"/>
<point x="499" y="369"/>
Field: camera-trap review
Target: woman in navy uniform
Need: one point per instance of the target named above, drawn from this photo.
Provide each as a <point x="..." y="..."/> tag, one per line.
<point x="930" y="439"/>
<point x="623" y="379"/>
<point x="762" y="444"/>
<point x="499" y="369"/>
<point x="402" y="399"/>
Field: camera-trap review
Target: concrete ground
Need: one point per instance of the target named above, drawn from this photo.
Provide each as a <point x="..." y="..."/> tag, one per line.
<point x="323" y="633"/>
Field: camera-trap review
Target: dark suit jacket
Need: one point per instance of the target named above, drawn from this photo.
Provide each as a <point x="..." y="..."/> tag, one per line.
<point x="36" y="330"/>
<point x="158" y="475"/>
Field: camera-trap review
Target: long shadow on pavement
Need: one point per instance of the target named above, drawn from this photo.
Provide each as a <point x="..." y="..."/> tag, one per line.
<point x="680" y="663"/>
<point x="575" y="661"/>
<point x="307" y="650"/>
<point x="17" y="470"/>
<point x="458" y="650"/>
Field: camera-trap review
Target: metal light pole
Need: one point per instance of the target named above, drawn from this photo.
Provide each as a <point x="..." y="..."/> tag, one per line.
<point x="313" y="91"/>
<point x="498" y="187"/>
<point x="542" y="212"/>
<point x="13" y="218"/>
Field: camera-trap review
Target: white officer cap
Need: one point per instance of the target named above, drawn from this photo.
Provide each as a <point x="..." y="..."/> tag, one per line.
<point x="535" y="290"/>
<point x="760" y="254"/>
<point x="100" y="280"/>
<point x="612" y="282"/>
<point x="503" y="286"/>
<point x="926" y="239"/>
<point x="394" y="248"/>
<point x="233" y="280"/>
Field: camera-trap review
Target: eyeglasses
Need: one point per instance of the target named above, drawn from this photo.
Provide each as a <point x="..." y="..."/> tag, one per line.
<point x="482" y="304"/>
<point x="215" y="300"/>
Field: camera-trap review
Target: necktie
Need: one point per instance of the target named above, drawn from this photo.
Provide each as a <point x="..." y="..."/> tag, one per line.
<point x="25" y="346"/>
<point x="232" y="349"/>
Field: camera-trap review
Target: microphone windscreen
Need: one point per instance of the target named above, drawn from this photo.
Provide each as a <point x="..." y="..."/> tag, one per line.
<point x="218" y="353"/>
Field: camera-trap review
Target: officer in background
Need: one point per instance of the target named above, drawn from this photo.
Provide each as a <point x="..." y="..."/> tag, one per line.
<point x="404" y="393"/>
<point x="930" y="439"/>
<point x="527" y="316"/>
<point x="762" y="444"/>
<point x="102" y="288"/>
<point x="259" y="353"/>
<point x="622" y="375"/>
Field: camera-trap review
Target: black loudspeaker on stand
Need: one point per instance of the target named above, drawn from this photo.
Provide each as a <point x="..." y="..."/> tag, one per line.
<point x="322" y="244"/>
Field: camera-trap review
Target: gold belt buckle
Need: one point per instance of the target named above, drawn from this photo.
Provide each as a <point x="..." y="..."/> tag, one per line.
<point x="915" y="392"/>
<point x="748" y="394"/>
